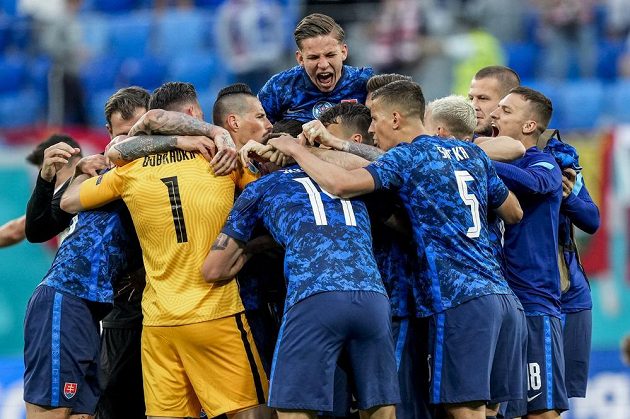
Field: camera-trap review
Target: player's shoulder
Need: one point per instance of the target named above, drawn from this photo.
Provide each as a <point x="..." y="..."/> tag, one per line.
<point x="536" y="157"/>
<point x="361" y="74"/>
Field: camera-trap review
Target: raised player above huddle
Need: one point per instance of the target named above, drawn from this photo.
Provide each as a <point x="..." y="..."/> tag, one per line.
<point x="320" y="80"/>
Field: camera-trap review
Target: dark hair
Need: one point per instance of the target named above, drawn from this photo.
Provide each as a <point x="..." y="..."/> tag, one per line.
<point x="352" y="116"/>
<point x="172" y="95"/>
<point x="539" y="104"/>
<point x="36" y="157"/>
<point x="126" y="101"/>
<point x="292" y="127"/>
<point x="379" y="80"/>
<point x="315" y="25"/>
<point x="507" y="78"/>
<point x="229" y="99"/>
<point x="407" y="95"/>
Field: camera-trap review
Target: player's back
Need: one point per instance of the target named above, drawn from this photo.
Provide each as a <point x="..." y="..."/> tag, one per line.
<point x="327" y="239"/>
<point x="178" y="207"/>
<point x="447" y="193"/>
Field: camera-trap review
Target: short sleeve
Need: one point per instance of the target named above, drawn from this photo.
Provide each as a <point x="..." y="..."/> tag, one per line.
<point x="389" y="170"/>
<point x="100" y="190"/>
<point x="244" y="216"/>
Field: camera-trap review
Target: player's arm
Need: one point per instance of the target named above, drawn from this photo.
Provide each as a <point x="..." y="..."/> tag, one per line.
<point x="335" y="180"/>
<point x="142" y="145"/>
<point x="159" y="121"/>
<point x="86" y="192"/>
<point x="225" y="259"/>
<point x="342" y="159"/>
<point x="538" y="178"/>
<point x="502" y="148"/>
<point x="12" y="232"/>
<point x="577" y="204"/>
<point x="510" y="210"/>
<point x="315" y="132"/>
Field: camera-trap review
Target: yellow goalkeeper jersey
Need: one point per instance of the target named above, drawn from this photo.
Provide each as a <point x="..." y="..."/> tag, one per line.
<point x="178" y="207"/>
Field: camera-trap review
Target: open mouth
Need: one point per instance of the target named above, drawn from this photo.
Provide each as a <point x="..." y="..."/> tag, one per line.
<point x="325" y="79"/>
<point x="495" y="130"/>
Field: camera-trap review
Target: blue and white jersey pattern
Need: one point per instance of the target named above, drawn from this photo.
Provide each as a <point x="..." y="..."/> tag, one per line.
<point x="292" y="95"/>
<point x="447" y="187"/>
<point x="327" y="239"/>
<point x="100" y="246"/>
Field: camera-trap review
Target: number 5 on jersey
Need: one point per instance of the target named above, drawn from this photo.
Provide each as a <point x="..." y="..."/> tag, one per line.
<point x="470" y="200"/>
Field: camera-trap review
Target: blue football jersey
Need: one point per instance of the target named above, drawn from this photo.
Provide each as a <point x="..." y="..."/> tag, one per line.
<point x="447" y="187"/>
<point x="100" y="247"/>
<point x="327" y="239"/>
<point x="395" y="253"/>
<point x="531" y="246"/>
<point x="292" y="95"/>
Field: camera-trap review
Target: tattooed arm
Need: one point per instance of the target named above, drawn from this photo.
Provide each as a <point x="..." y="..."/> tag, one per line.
<point x="314" y="131"/>
<point x="225" y="259"/>
<point x="142" y="145"/>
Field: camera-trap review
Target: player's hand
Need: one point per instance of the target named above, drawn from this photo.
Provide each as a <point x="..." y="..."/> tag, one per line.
<point x="568" y="180"/>
<point x="203" y="145"/>
<point x="55" y="157"/>
<point x="226" y="158"/>
<point x="91" y="165"/>
<point x="286" y="144"/>
<point x="254" y="150"/>
<point x="315" y="132"/>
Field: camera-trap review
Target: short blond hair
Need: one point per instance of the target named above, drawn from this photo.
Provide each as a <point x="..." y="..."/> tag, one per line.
<point x="456" y="113"/>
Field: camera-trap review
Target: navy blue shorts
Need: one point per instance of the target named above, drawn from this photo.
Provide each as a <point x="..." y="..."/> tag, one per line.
<point x="61" y="352"/>
<point x="576" y="331"/>
<point x="314" y="333"/>
<point x="411" y="340"/>
<point x="478" y="351"/>
<point x="545" y="369"/>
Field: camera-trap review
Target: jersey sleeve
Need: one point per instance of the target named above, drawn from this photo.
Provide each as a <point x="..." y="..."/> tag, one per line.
<point x="270" y="99"/>
<point x="580" y="208"/>
<point x="244" y="177"/>
<point x="541" y="176"/>
<point x="100" y="190"/>
<point x="244" y="215"/>
<point x="388" y="171"/>
<point x="497" y="191"/>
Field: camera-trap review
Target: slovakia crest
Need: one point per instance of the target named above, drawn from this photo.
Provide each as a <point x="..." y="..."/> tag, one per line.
<point x="69" y="390"/>
<point x="320" y="108"/>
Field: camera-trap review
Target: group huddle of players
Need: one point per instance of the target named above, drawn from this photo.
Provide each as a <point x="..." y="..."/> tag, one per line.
<point x="307" y="255"/>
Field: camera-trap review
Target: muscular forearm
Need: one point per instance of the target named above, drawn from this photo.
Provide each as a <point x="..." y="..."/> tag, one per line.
<point x="140" y="146"/>
<point x="368" y="152"/>
<point x="502" y="149"/>
<point x="334" y="179"/>
<point x="339" y="158"/>
<point x="158" y="121"/>
<point x="71" y="201"/>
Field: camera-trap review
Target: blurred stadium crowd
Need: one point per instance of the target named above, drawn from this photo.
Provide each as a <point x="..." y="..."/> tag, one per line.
<point x="573" y="50"/>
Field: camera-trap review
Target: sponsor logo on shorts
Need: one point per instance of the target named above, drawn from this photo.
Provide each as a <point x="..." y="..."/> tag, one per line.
<point x="69" y="390"/>
<point x="529" y="399"/>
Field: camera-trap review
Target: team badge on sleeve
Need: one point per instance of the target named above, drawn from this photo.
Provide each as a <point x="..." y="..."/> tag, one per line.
<point x="69" y="390"/>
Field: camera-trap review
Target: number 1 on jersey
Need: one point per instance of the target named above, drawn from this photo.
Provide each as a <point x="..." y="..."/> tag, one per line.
<point x="176" y="208"/>
<point x="470" y="200"/>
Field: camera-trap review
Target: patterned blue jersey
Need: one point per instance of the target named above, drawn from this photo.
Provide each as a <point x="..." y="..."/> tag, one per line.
<point x="292" y="95"/>
<point x="496" y="229"/>
<point x="100" y="247"/>
<point x="531" y="246"/>
<point x="327" y="239"/>
<point x="396" y="255"/>
<point x="447" y="187"/>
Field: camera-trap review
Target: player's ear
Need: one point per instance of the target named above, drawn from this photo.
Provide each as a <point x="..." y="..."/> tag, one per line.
<point x="529" y="127"/>
<point x="109" y="130"/>
<point x="232" y="122"/>
<point x="344" y="52"/>
<point x="299" y="58"/>
<point x="357" y="138"/>
<point x="395" y="120"/>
